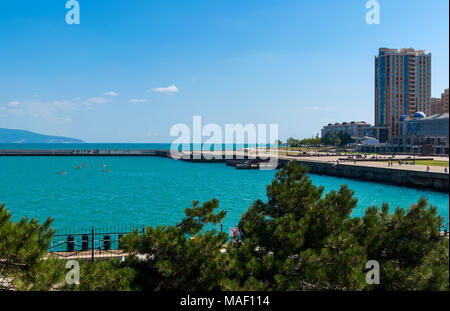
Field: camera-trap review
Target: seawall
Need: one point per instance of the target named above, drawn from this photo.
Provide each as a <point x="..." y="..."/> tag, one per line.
<point x="408" y="178"/>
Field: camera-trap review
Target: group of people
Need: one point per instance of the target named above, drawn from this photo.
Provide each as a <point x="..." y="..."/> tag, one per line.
<point x="391" y="164"/>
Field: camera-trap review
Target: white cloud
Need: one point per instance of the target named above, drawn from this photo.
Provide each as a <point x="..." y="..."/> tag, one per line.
<point x="136" y="100"/>
<point x="56" y="110"/>
<point x="13" y="104"/>
<point x="111" y="93"/>
<point x="318" y="108"/>
<point x="92" y="101"/>
<point x="96" y="100"/>
<point x="169" y="89"/>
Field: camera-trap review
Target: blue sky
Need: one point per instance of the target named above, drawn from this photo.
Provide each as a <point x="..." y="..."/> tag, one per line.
<point x="134" y="68"/>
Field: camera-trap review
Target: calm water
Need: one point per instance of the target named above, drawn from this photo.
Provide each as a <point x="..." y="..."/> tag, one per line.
<point x="154" y="191"/>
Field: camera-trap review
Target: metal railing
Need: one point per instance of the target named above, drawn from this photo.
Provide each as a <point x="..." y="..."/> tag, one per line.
<point x="89" y="243"/>
<point x="444" y="227"/>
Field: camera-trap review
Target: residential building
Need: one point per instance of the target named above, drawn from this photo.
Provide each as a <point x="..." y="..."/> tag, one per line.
<point x="402" y="86"/>
<point x="440" y="105"/>
<point x="354" y="128"/>
<point x="436" y="106"/>
<point x="444" y="100"/>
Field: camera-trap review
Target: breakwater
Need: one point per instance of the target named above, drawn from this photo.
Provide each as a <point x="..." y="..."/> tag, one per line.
<point x="83" y="152"/>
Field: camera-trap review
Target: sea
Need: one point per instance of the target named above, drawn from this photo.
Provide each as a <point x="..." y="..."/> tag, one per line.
<point x="152" y="191"/>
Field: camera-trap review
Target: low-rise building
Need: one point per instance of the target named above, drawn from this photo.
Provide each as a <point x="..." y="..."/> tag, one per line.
<point x="354" y="128"/>
<point x="418" y="134"/>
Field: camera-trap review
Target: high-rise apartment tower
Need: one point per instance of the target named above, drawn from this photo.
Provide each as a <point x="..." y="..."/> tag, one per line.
<point x="402" y="86"/>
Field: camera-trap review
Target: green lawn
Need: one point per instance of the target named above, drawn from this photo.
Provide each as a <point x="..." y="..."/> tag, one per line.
<point x="430" y="163"/>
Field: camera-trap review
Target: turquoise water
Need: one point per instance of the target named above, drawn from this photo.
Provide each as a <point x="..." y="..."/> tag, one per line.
<point x="155" y="191"/>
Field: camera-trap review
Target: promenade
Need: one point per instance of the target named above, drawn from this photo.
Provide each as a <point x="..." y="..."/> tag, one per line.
<point x="380" y="164"/>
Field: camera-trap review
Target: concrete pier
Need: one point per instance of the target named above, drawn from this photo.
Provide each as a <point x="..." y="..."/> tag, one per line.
<point x="84" y="152"/>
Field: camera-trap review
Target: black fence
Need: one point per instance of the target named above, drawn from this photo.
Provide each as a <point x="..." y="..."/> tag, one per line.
<point x="89" y="243"/>
<point x="444" y="226"/>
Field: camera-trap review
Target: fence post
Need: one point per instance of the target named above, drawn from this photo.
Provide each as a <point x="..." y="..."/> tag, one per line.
<point x="85" y="242"/>
<point x="106" y="242"/>
<point x="92" y="245"/>
<point x="70" y="243"/>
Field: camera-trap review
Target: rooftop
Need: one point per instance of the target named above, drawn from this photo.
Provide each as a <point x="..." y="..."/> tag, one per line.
<point x="408" y="51"/>
<point x="437" y="116"/>
<point x="348" y="123"/>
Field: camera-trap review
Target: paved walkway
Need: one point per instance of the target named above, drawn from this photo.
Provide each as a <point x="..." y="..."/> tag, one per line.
<point x="395" y="165"/>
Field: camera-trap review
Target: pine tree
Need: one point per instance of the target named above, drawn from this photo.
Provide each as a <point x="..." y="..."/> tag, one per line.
<point x="302" y="239"/>
<point x="23" y="245"/>
<point x="187" y="256"/>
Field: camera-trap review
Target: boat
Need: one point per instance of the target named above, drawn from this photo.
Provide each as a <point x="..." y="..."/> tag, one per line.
<point x="246" y="165"/>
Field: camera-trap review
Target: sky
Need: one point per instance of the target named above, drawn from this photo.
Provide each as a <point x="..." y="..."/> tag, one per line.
<point x="132" y="69"/>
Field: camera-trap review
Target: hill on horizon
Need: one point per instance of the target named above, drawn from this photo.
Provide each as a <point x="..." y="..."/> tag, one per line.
<point x="10" y="136"/>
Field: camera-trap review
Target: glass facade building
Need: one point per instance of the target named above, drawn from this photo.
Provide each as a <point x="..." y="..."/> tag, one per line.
<point x="402" y="86"/>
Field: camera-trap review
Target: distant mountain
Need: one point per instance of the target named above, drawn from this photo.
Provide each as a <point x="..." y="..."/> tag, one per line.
<point x="20" y="136"/>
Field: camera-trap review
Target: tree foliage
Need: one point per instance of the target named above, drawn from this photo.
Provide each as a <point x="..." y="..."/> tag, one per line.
<point x="336" y="139"/>
<point x="23" y="245"/>
<point x="111" y="275"/>
<point x="184" y="256"/>
<point x="302" y="239"/>
<point x="314" y="141"/>
<point x="24" y="264"/>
